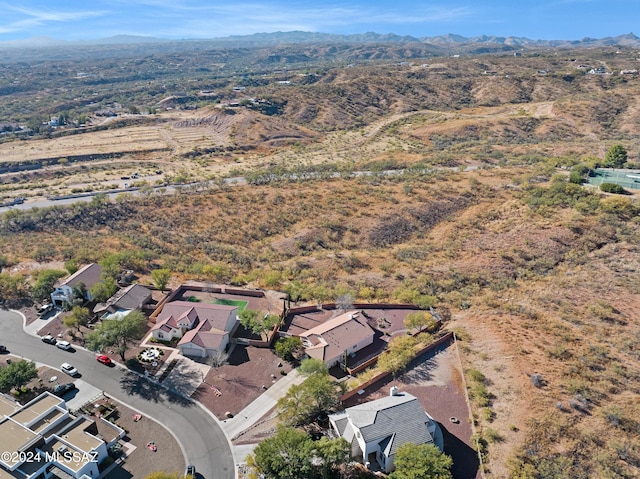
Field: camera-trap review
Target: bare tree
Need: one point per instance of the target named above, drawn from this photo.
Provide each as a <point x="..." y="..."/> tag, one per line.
<point x="217" y="358"/>
<point x="344" y="302"/>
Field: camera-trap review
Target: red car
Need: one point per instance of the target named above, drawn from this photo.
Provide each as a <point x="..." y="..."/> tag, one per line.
<point x="104" y="359"/>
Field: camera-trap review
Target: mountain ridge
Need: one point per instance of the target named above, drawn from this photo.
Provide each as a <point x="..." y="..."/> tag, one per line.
<point x="275" y="38"/>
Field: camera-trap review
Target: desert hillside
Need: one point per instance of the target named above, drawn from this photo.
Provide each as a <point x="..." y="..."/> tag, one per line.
<point x="437" y="181"/>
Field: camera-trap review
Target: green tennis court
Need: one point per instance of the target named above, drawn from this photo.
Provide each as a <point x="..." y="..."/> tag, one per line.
<point x="232" y="302"/>
<point x="628" y="179"/>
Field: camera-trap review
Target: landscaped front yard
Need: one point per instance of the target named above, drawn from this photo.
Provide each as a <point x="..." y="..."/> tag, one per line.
<point x="247" y="373"/>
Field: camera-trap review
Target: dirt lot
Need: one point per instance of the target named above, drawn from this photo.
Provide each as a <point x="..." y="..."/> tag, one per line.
<point x="241" y="380"/>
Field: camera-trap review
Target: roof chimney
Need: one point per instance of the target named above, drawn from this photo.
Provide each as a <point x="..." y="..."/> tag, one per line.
<point x="393" y="391"/>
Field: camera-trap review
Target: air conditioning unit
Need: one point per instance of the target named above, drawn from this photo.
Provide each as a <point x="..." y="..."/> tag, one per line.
<point x="62" y="449"/>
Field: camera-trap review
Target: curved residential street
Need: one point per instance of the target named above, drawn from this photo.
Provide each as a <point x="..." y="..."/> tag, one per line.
<point x="203" y="442"/>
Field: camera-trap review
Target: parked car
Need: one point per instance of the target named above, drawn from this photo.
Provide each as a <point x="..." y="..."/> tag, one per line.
<point x="66" y="345"/>
<point x="69" y="369"/>
<point x="104" y="359"/>
<point x="44" y="309"/>
<point x="190" y="471"/>
<point x="49" y="339"/>
<point x="60" y="389"/>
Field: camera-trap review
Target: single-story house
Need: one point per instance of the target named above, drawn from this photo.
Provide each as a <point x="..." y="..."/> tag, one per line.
<point x="343" y="335"/>
<point x="202" y="328"/>
<point x="376" y="429"/>
<point x="124" y="301"/>
<point x="88" y="276"/>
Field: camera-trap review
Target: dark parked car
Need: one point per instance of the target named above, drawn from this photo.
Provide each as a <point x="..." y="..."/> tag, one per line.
<point x="61" y="389"/>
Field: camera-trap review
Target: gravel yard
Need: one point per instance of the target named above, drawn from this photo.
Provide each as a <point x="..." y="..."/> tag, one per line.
<point x="142" y="461"/>
<point x="240" y="381"/>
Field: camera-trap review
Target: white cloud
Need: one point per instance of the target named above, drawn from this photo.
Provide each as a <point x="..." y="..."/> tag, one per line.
<point x="52" y="15"/>
<point x="39" y="17"/>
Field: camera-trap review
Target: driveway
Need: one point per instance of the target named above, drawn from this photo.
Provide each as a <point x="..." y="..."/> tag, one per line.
<point x="199" y="434"/>
<point x="186" y="375"/>
<point x="80" y="396"/>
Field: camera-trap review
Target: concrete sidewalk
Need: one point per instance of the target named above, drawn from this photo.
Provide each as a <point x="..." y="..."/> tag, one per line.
<point x="261" y="406"/>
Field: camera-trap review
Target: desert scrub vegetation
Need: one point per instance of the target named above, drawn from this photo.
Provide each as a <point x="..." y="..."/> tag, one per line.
<point x="534" y="256"/>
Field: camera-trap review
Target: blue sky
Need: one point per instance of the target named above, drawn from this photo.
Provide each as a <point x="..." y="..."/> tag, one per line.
<point x="178" y="19"/>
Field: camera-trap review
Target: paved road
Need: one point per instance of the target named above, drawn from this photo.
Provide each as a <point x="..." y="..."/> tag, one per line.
<point x="111" y="195"/>
<point x="172" y="189"/>
<point x="203" y="442"/>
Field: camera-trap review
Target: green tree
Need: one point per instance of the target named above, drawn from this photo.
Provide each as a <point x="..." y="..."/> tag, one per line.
<point x="616" y="157"/>
<point x="579" y="174"/>
<point x="104" y="289"/>
<point x="79" y="291"/>
<point x="253" y="321"/>
<point x="311" y="366"/>
<point x="424" y="461"/>
<point x="319" y="393"/>
<point x="117" y="333"/>
<point x="71" y="266"/>
<point x="79" y="316"/>
<point x="36" y="124"/>
<point x="161" y="277"/>
<point x="286" y="455"/>
<point x="45" y="279"/>
<point x="16" y="374"/>
<point x="331" y="453"/>
<point x="286" y="348"/>
<point x="399" y="354"/>
<point x="217" y="272"/>
<point x="111" y="266"/>
<point x="13" y="288"/>
<point x="420" y="320"/>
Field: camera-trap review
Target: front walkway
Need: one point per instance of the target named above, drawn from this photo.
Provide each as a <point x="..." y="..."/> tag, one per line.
<point x="260" y="406"/>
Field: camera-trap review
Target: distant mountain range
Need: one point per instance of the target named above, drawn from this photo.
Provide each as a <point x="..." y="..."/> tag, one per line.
<point x="279" y="38"/>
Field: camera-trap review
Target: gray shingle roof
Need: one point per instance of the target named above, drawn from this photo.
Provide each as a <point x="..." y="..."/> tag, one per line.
<point x="131" y="297"/>
<point x="391" y="421"/>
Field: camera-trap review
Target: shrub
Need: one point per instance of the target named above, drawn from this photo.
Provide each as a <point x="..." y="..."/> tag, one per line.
<point x="612" y="188"/>
<point x="536" y="380"/>
<point x="475" y="375"/>
<point x="492" y="435"/>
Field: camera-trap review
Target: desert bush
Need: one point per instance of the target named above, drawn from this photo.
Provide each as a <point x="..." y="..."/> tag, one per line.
<point x="536" y="380"/>
<point x="476" y="376"/>
<point x="492" y="436"/>
<point x="612" y="188"/>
